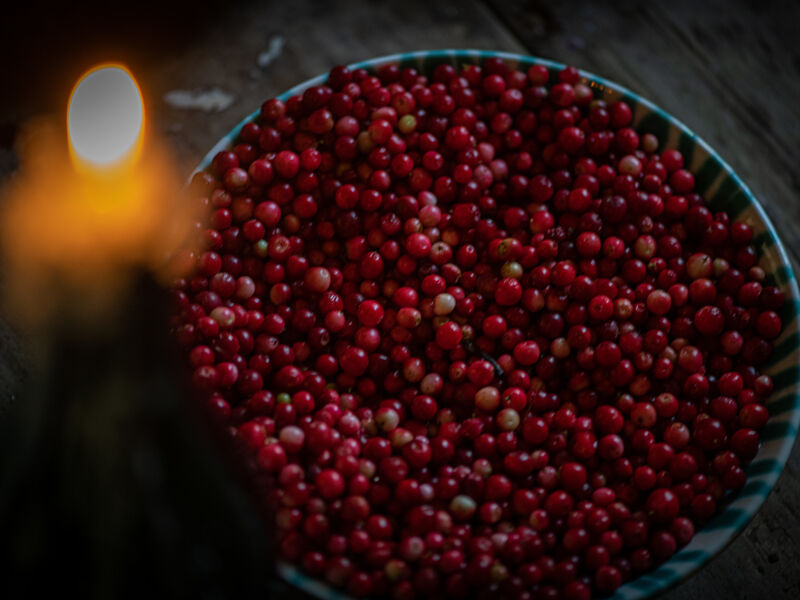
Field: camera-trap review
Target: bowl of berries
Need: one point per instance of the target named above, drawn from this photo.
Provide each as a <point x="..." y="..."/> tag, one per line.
<point x="484" y="325"/>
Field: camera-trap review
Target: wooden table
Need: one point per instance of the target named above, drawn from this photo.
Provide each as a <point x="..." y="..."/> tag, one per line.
<point x="730" y="71"/>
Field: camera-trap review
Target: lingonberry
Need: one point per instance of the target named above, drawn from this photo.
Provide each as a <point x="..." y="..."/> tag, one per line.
<point x="471" y="324"/>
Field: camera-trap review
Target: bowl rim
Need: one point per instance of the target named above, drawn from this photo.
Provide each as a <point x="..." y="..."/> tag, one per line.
<point x="741" y="507"/>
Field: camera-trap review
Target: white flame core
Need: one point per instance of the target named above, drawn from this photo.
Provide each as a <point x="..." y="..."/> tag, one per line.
<point x="105" y="117"/>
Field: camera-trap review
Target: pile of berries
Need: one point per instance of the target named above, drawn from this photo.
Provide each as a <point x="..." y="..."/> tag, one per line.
<point x="475" y="335"/>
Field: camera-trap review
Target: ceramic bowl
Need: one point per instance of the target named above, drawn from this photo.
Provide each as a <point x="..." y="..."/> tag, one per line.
<point x="724" y="191"/>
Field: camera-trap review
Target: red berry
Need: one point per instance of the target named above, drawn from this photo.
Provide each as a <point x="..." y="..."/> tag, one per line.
<point x="330" y="484"/>
<point x="476" y="335"/>
<point x="508" y="292"/>
<point x="449" y="335"/>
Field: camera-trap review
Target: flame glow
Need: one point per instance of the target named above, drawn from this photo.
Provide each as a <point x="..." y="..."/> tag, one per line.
<point x="105" y="117"/>
<point x="83" y="217"/>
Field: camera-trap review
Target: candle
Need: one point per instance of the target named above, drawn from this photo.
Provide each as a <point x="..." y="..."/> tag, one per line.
<point x="109" y="483"/>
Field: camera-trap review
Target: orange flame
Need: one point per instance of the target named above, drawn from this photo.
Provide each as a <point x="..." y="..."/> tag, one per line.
<point x="88" y="209"/>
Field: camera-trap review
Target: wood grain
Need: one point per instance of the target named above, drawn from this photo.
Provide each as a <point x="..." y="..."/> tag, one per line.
<point x="316" y="36"/>
<point x="730" y="75"/>
<point x="729" y="70"/>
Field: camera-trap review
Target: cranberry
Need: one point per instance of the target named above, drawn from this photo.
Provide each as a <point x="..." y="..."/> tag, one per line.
<point x="330" y="484"/>
<point x="509" y="349"/>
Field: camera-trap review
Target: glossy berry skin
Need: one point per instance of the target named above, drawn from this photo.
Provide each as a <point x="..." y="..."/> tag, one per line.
<point x="473" y="334"/>
<point x="330" y="484"/>
<point x="449" y="335"/>
<point x="509" y="292"/>
<point x="663" y="505"/>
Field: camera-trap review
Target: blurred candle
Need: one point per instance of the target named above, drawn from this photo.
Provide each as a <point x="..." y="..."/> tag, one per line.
<point x="107" y="478"/>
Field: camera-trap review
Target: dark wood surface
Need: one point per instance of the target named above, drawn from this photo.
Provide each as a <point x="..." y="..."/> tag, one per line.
<point x="728" y="70"/>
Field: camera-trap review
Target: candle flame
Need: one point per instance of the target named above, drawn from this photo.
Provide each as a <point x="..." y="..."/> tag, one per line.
<point x="89" y="211"/>
<point x="105" y="118"/>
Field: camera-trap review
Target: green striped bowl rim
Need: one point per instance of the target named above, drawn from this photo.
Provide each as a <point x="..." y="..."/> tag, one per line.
<point x="724" y="191"/>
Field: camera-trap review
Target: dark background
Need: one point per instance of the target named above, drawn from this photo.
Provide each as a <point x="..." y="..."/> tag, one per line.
<point x="730" y="70"/>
